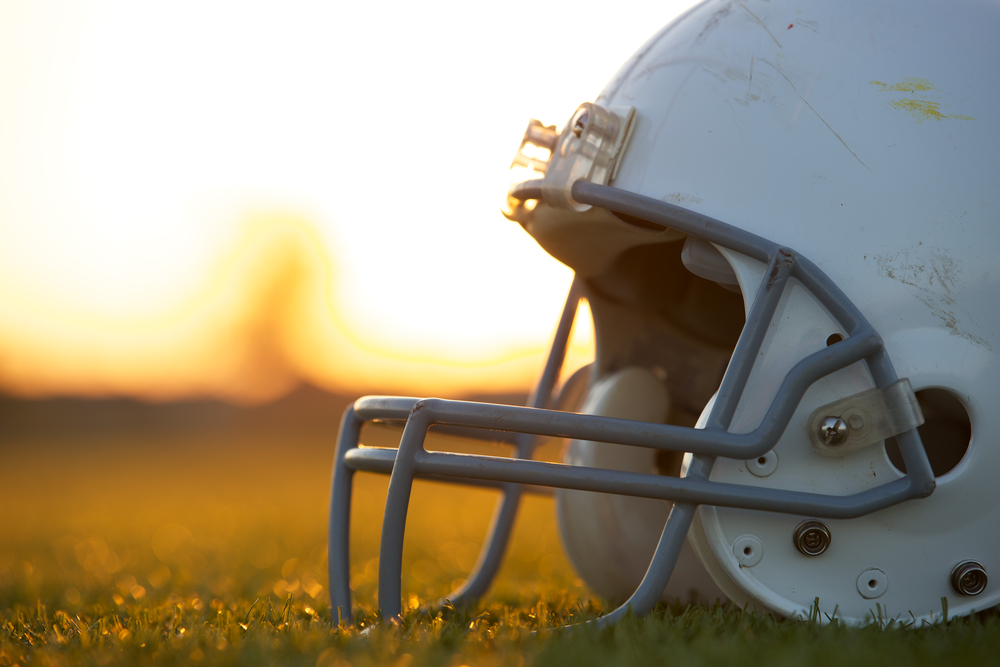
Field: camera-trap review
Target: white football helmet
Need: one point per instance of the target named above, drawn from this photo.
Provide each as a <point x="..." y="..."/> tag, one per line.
<point x="786" y="220"/>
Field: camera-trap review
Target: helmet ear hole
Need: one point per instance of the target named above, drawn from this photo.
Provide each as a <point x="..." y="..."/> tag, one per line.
<point x="946" y="433"/>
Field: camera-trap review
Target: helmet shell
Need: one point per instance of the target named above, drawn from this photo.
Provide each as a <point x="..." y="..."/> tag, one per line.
<point x="865" y="135"/>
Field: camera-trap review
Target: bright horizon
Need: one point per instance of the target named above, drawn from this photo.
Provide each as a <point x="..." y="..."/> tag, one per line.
<point x="227" y="198"/>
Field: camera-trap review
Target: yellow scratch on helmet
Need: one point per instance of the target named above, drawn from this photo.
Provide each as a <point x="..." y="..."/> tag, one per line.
<point x="921" y="110"/>
<point x="907" y="85"/>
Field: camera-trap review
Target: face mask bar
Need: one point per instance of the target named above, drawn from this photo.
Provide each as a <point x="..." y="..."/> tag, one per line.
<point x="397" y="410"/>
<point x="411" y="460"/>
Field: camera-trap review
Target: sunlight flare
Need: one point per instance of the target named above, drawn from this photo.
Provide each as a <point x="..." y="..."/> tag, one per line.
<point x="142" y="145"/>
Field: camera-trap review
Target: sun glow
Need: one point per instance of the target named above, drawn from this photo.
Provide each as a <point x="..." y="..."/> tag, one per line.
<point x="227" y="198"/>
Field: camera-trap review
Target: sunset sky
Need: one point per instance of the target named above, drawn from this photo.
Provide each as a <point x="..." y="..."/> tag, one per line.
<point x="227" y="198"/>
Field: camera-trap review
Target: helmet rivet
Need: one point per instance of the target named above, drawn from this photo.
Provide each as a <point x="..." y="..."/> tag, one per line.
<point x="969" y="578"/>
<point x="748" y="550"/>
<point x="763" y="465"/>
<point x="811" y="538"/>
<point x="580" y="123"/>
<point x="833" y="431"/>
<point x="873" y="584"/>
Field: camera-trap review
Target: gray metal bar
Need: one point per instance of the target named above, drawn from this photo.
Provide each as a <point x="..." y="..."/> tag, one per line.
<point x="661" y="566"/>
<point x="748" y="346"/>
<point x="862" y="343"/>
<point x="678" y="489"/>
<point x="339" y="528"/>
<point x="502" y="523"/>
<point x="404" y="471"/>
<point x="542" y="393"/>
<point x="727" y="398"/>
<point x="397" y="503"/>
<point x="350" y="457"/>
<point x="393" y="410"/>
<point x="341" y="487"/>
<point x="378" y="408"/>
<point x="381" y="459"/>
<point x="918" y="466"/>
<point x="558" y="424"/>
<point x="496" y="437"/>
<point x="681" y="515"/>
<point x="812" y="278"/>
<point x="674" y="217"/>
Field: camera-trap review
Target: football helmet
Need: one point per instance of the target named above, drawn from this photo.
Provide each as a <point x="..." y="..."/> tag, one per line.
<point x="785" y="218"/>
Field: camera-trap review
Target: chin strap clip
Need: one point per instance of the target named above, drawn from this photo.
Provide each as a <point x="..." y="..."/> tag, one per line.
<point x="588" y="148"/>
<point x="864" y="419"/>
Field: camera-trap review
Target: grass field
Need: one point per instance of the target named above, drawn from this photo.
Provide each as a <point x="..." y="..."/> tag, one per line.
<point x="183" y="547"/>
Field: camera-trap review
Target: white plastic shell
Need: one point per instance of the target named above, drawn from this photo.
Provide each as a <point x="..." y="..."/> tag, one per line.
<point x="864" y="135"/>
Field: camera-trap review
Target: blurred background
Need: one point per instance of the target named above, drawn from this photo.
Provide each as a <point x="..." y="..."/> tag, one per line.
<point x="222" y="221"/>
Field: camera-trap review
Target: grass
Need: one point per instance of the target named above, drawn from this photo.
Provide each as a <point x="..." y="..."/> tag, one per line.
<point x="211" y="550"/>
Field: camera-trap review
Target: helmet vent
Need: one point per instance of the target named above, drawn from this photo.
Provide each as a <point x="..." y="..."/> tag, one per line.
<point x="946" y="433"/>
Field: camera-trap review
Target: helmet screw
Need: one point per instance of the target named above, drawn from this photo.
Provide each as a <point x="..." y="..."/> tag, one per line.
<point x="811" y="538"/>
<point x="833" y="431"/>
<point x="969" y="578"/>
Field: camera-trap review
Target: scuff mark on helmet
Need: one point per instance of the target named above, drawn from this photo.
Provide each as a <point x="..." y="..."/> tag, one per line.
<point x="935" y="278"/>
<point x="786" y="258"/>
<point x="714" y="20"/>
